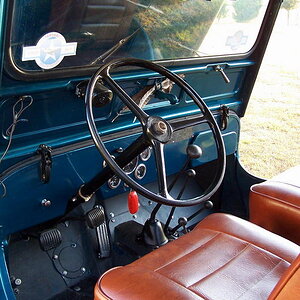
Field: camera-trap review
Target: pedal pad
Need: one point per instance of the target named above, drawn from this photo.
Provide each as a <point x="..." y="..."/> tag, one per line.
<point x="50" y="239"/>
<point x="95" y="218"/>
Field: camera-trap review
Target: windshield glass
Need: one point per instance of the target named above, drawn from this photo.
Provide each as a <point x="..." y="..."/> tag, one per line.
<point x="55" y="34"/>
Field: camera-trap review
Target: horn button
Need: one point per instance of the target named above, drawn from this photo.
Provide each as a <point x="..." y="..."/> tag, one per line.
<point x="159" y="129"/>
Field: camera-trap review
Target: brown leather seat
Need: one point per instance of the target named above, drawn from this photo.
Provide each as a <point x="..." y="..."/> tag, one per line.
<point x="288" y="288"/>
<point x="275" y="204"/>
<point x="224" y="257"/>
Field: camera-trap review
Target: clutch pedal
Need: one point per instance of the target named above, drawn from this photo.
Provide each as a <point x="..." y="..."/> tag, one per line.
<point x="95" y="219"/>
<point x="50" y="239"/>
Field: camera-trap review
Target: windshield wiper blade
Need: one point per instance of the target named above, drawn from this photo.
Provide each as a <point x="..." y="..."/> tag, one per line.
<point x="103" y="57"/>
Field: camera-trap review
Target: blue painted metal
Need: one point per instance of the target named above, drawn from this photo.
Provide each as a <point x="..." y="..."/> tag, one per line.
<point x="8" y="87"/>
<point x="74" y="167"/>
<point x="25" y="192"/>
<point x="6" y="292"/>
<point x="2" y="33"/>
<point x="57" y="116"/>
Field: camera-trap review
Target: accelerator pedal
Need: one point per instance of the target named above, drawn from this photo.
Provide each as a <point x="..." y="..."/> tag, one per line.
<point x="50" y="239"/>
<point x="95" y="219"/>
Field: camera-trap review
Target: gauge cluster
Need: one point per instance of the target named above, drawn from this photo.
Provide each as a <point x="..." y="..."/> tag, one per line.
<point x="136" y="168"/>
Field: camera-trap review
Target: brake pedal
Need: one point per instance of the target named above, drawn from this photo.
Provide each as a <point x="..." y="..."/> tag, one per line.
<point x="50" y="239"/>
<point x="95" y="219"/>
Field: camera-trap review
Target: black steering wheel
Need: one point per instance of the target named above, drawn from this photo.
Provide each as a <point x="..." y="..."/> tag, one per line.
<point x="156" y="132"/>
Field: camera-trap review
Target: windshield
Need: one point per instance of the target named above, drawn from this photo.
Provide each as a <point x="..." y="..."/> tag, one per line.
<point x="55" y="34"/>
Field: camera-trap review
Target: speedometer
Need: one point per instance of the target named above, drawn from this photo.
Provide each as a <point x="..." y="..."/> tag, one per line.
<point x="145" y="155"/>
<point x="114" y="182"/>
<point x="140" y="171"/>
<point x="131" y="166"/>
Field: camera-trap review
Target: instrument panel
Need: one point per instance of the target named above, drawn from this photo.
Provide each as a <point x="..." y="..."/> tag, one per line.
<point x="136" y="168"/>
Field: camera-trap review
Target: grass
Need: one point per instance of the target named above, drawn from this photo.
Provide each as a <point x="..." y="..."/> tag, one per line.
<point x="270" y="135"/>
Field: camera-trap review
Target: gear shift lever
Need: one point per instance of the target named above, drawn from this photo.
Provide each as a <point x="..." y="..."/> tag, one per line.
<point x="193" y="152"/>
<point x="190" y="174"/>
<point x="153" y="233"/>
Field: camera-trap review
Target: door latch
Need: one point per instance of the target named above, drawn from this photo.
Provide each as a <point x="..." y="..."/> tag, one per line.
<point x="45" y="163"/>
<point x="224" y="117"/>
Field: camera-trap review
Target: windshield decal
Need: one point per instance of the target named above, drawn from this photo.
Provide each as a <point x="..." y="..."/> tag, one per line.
<point x="49" y="51"/>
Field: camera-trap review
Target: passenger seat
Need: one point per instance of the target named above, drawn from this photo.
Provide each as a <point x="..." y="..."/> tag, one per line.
<point x="275" y="204"/>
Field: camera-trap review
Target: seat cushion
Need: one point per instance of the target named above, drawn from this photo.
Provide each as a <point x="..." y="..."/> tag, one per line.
<point x="288" y="288"/>
<point x="224" y="257"/>
<point x="275" y="204"/>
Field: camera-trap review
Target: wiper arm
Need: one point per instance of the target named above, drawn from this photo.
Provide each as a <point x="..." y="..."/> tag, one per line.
<point x="146" y="6"/>
<point x="196" y="52"/>
<point x="103" y="57"/>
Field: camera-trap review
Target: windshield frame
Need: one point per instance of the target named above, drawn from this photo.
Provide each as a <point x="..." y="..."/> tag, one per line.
<point x="72" y="72"/>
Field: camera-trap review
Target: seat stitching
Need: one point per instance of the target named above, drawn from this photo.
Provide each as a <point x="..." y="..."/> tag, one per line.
<point x="262" y="278"/>
<point x="198" y="294"/>
<point x="252" y="243"/>
<point x="184" y="287"/>
<point x="178" y="283"/>
<point x="179" y="257"/>
<point x="218" y="269"/>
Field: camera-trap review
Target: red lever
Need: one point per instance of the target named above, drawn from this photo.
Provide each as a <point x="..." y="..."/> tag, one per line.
<point x="133" y="202"/>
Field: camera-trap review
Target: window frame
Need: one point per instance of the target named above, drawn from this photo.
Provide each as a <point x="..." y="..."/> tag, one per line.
<point x="72" y="72"/>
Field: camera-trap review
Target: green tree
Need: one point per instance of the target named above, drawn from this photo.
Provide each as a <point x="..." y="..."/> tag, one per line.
<point x="180" y="24"/>
<point x="246" y="10"/>
<point x="289" y="5"/>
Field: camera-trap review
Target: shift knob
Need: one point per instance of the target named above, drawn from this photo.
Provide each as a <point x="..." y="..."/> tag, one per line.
<point x="182" y="222"/>
<point x="208" y="205"/>
<point x="193" y="151"/>
<point x="191" y="172"/>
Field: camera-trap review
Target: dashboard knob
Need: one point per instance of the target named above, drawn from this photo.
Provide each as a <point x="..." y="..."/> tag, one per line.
<point x="193" y="151"/>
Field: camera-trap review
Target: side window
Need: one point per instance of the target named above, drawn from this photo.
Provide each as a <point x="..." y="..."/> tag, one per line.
<point x="270" y="138"/>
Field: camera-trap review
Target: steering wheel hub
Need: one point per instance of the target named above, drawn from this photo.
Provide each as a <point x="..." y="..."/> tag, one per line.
<point x="158" y="129"/>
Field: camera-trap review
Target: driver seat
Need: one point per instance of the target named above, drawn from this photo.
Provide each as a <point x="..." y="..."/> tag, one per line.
<point x="224" y="257"/>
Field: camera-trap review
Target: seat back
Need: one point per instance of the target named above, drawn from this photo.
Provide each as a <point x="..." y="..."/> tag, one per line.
<point x="275" y="204"/>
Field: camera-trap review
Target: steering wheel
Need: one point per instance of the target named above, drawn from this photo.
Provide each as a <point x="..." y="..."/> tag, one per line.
<point x="156" y="132"/>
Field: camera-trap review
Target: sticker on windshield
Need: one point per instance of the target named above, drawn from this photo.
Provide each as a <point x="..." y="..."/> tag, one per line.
<point x="49" y="51"/>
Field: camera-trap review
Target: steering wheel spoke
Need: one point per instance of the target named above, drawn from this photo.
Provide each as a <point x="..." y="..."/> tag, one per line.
<point x="161" y="169"/>
<point x="127" y="100"/>
<point x="182" y="124"/>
